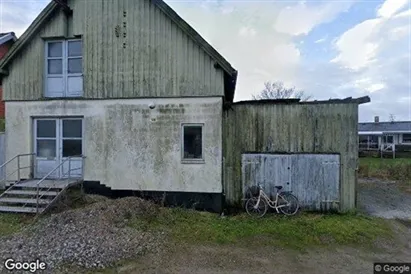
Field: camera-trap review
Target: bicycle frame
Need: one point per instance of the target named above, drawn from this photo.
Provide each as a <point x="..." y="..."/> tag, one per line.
<point x="271" y="203"/>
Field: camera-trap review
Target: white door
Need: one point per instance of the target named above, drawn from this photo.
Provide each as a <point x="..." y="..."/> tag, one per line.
<point x="55" y="141"/>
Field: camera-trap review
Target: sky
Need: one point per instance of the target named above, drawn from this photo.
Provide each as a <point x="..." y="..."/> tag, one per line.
<point x="329" y="48"/>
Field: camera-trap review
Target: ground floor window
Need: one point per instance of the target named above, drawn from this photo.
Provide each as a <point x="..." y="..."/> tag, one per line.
<point x="406" y="138"/>
<point x="192" y="144"/>
<point x="388" y="139"/>
<point x="368" y="141"/>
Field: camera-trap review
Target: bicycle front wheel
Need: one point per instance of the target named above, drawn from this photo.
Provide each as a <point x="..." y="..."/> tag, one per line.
<point x="254" y="209"/>
<point x="291" y="204"/>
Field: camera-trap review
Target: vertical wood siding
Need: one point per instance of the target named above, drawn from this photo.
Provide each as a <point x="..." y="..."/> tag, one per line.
<point x="152" y="57"/>
<point x="307" y="128"/>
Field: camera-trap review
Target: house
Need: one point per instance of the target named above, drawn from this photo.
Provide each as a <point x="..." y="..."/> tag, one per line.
<point x="6" y="41"/>
<point x="384" y="135"/>
<point x="126" y="97"/>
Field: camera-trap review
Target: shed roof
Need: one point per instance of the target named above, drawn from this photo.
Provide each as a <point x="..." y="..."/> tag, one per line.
<point x="402" y="126"/>
<point x="348" y="100"/>
<point x="230" y="74"/>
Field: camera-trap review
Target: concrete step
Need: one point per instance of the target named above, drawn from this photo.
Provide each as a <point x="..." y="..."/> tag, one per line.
<point x="19" y="209"/>
<point x="24" y="201"/>
<point x="31" y="192"/>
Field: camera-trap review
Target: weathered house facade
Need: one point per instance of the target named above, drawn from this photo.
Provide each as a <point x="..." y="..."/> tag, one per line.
<point x="140" y="102"/>
<point x="121" y="82"/>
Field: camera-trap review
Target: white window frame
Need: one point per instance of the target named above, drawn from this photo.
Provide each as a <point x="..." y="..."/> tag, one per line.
<point x="65" y="74"/>
<point x="190" y="160"/>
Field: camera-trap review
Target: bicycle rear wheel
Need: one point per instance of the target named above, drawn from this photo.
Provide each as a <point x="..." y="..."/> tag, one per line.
<point x="290" y="202"/>
<point x="256" y="210"/>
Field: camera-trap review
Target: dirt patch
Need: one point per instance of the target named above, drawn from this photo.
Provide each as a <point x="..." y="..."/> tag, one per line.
<point x="385" y="199"/>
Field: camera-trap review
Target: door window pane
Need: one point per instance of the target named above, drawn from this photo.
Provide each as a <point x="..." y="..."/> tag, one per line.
<point x="193" y="142"/>
<point x="55" y="66"/>
<point x="72" y="128"/>
<point x="46" y="148"/>
<point x="74" y="48"/>
<point x="74" y="65"/>
<point x="55" y="49"/>
<point x="72" y="148"/>
<point x="46" y="128"/>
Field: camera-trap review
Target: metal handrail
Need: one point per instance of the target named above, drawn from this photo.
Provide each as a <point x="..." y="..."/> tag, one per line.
<point x="19" y="155"/>
<point x="4" y="179"/>
<point x="52" y="171"/>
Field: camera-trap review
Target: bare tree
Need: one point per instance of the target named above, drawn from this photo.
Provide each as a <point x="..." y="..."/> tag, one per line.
<point x="277" y="90"/>
<point x="391" y="118"/>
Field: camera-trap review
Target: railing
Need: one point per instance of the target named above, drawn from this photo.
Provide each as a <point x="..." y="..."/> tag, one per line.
<point x="62" y="176"/>
<point x="4" y="180"/>
<point x="388" y="148"/>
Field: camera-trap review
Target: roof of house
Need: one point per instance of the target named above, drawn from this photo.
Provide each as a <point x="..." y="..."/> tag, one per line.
<point x="402" y="126"/>
<point x="349" y="100"/>
<point x="7" y="36"/>
<point x="230" y="75"/>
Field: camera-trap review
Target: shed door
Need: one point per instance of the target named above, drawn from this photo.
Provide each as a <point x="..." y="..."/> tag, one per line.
<point x="313" y="178"/>
<point x="266" y="170"/>
<point x="55" y="141"/>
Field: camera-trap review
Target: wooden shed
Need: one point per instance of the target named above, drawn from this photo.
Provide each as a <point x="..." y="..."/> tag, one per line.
<point x="311" y="148"/>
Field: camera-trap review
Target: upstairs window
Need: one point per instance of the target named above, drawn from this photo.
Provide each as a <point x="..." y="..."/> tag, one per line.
<point x="64" y="68"/>
<point x="193" y="143"/>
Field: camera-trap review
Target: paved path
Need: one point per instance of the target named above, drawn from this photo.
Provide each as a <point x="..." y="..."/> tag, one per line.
<point x="384" y="199"/>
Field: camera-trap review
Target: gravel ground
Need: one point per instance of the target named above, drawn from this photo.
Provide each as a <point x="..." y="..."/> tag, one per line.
<point x="383" y="199"/>
<point x="92" y="237"/>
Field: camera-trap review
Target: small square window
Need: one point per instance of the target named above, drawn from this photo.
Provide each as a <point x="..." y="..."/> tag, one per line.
<point x="193" y="142"/>
<point x="74" y="65"/>
<point x="46" y="148"/>
<point x="72" y="128"/>
<point x="46" y="129"/>
<point x="72" y="148"/>
<point x="55" y="66"/>
<point x="74" y="48"/>
<point x="55" y="49"/>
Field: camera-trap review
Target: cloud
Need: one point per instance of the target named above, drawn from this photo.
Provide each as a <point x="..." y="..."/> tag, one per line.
<point x="302" y="18"/>
<point x="356" y="46"/>
<point x="18" y="15"/>
<point x="378" y="52"/>
<point x="257" y="37"/>
<point x="390" y="7"/>
<point x="322" y="40"/>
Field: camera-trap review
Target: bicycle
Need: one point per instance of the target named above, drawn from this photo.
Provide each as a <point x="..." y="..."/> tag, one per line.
<point x="284" y="202"/>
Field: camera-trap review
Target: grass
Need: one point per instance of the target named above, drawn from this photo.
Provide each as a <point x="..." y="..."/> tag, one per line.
<point x="11" y="223"/>
<point x="298" y="232"/>
<point x="386" y="168"/>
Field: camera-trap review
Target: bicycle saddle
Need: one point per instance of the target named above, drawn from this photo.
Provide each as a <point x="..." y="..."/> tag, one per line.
<point x="279" y="187"/>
